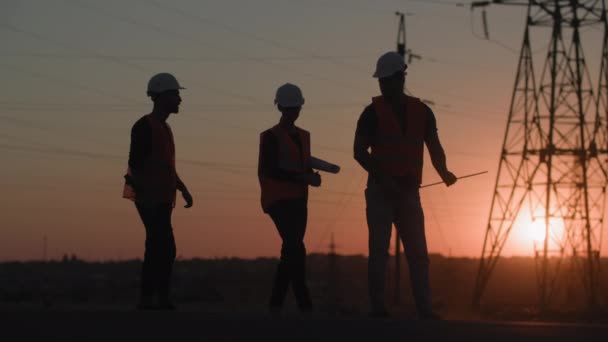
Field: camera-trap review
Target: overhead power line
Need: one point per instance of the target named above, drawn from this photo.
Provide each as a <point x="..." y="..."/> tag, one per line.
<point x="110" y="59"/>
<point x="194" y="59"/>
<point x="198" y="41"/>
<point x="199" y="19"/>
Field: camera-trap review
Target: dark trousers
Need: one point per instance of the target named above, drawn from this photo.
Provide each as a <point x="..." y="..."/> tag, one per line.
<point x="406" y="213"/>
<point x="160" y="251"/>
<point x="290" y="217"/>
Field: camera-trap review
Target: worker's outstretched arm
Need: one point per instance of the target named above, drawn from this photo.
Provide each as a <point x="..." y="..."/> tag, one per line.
<point x="431" y="138"/>
<point x="438" y="157"/>
<point x="181" y="186"/>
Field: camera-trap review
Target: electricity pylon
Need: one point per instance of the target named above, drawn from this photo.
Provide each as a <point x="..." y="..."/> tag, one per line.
<point x="553" y="159"/>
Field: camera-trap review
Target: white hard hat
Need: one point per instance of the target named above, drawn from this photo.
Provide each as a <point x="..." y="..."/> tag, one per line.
<point x="289" y="95"/>
<point x="388" y="64"/>
<point x="163" y="82"/>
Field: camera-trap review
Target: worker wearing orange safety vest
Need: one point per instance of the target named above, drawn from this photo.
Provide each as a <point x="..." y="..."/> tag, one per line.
<point x="285" y="173"/>
<point x="395" y="127"/>
<point x="151" y="182"/>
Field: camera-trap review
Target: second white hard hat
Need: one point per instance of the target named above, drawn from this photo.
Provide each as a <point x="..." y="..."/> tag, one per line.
<point x="162" y="82"/>
<point x="388" y="64"/>
<point x="289" y="95"/>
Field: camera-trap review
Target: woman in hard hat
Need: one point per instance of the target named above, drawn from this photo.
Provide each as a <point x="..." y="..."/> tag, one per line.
<point x="285" y="172"/>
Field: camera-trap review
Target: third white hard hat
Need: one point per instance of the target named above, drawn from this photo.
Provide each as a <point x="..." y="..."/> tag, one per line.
<point x="388" y="64"/>
<point x="289" y="95"/>
<point x="162" y="82"/>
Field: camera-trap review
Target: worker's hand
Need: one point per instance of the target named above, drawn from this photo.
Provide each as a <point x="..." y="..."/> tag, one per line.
<point x="131" y="181"/>
<point x="188" y="198"/>
<point x="334" y="169"/>
<point x="448" y="178"/>
<point x="314" y="179"/>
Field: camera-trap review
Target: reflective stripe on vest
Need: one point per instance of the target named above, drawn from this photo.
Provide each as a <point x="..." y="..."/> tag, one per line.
<point x="290" y="158"/>
<point x="157" y="179"/>
<point x="400" y="153"/>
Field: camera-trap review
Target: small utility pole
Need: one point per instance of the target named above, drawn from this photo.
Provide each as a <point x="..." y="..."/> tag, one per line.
<point x="44" y="248"/>
<point x="401" y="49"/>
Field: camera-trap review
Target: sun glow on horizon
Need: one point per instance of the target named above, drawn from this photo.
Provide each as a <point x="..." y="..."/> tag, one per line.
<point x="529" y="232"/>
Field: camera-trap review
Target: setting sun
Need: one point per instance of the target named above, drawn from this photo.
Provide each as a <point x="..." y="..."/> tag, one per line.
<point x="536" y="230"/>
<point x="529" y="232"/>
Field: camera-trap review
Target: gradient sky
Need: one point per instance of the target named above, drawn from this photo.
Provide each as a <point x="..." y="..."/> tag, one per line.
<point x="74" y="81"/>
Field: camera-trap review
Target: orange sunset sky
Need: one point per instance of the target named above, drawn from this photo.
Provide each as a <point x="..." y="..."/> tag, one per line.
<point x="74" y="82"/>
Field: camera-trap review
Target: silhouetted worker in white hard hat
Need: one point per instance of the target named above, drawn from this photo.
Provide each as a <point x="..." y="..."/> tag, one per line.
<point x="285" y="173"/>
<point x="396" y="127"/>
<point x="151" y="182"/>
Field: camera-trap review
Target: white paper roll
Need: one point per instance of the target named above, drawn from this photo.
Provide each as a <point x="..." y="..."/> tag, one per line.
<point x="322" y="165"/>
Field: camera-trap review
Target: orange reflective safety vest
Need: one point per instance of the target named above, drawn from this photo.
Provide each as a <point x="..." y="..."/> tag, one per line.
<point x="157" y="179"/>
<point x="290" y="158"/>
<point x="399" y="153"/>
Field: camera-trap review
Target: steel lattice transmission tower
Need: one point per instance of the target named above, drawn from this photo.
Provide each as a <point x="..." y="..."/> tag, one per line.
<point x="554" y="157"/>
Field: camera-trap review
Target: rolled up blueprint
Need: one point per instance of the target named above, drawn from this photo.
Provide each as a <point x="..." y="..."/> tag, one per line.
<point x="322" y="165"/>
